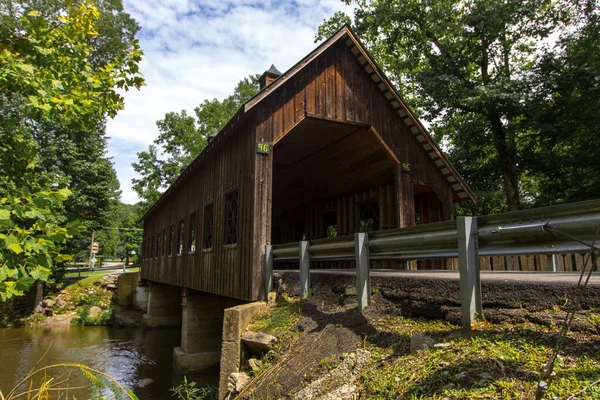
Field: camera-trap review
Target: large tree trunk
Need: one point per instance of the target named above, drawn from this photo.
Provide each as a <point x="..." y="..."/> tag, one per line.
<point x="507" y="161"/>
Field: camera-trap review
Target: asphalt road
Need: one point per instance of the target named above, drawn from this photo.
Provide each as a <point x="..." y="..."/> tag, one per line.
<point x="489" y="276"/>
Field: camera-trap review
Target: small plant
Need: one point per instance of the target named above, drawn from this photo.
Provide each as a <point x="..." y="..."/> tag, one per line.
<point x="189" y="391"/>
<point x="52" y="381"/>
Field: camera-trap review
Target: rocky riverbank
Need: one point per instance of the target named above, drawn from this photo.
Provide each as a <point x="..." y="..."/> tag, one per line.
<point x="88" y="301"/>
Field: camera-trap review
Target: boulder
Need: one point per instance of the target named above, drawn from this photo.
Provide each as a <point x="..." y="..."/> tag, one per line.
<point x="48" y="303"/>
<point x="60" y="303"/>
<point x="420" y="342"/>
<point x="95" y="312"/>
<point x="237" y="382"/>
<point x="254" y="364"/>
<point x="259" y="343"/>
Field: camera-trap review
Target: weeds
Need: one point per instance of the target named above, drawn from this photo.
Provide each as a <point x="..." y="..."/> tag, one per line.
<point x="189" y="391"/>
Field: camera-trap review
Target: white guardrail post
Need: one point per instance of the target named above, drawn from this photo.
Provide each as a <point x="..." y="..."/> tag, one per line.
<point x="363" y="279"/>
<point x="268" y="270"/>
<point x="304" y="259"/>
<point x="470" y="283"/>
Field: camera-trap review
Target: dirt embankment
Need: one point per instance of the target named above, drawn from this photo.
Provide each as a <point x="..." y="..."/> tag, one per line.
<point x="330" y="327"/>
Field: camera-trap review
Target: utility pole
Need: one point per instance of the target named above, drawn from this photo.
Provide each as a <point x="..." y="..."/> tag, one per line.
<point x="92" y="255"/>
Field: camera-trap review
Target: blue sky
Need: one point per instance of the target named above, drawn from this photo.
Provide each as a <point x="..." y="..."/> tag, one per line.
<point x="196" y="50"/>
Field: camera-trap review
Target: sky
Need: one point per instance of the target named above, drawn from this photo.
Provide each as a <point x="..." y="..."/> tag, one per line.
<point x="200" y="49"/>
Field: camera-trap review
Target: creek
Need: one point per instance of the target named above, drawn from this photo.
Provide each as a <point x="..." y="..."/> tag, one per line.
<point x="138" y="359"/>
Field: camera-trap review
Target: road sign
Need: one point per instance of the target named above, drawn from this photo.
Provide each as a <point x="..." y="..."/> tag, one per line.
<point x="95" y="247"/>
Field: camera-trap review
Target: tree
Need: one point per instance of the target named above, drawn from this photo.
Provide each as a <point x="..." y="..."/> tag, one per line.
<point x="466" y="67"/>
<point x="565" y="111"/>
<point x="46" y="77"/>
<point x="181" y="138"/>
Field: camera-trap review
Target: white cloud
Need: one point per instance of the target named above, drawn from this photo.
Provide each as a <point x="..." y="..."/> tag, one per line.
<point x="200" y="49"/>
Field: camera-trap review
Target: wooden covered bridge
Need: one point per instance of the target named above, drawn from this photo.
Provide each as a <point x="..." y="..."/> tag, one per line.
<point x="327" y="147"/>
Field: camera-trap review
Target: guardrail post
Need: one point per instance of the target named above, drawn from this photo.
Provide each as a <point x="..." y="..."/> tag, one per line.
<point x="470" y="284"/>
<point x="363" y="278"/>
<point x="268" y="269"/>
<point x="552" y="262"/>
<point x="304" y="259"/>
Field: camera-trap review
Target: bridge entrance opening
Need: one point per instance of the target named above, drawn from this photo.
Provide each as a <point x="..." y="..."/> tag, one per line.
<point x="331" y="178"/>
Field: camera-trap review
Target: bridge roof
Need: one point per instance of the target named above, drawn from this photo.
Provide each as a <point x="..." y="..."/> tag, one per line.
<point x="458" y="185"/>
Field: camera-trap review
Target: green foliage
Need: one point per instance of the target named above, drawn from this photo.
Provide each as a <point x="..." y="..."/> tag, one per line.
<point x="30" y="239"/>
<point x="53" y="91"/>
<point x="189" y="391"/>
<point x="505" y="101"/>
<point x="83" y="318"/>
<point x="181" y="138"/>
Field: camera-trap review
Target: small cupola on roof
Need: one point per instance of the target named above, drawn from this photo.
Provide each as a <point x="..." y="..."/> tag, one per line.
<point x="268" y="76"/>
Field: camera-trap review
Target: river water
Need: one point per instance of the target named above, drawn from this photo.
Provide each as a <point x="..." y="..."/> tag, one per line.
<point x="138" y="359"/>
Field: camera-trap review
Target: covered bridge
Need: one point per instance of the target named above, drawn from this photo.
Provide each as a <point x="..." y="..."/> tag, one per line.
<point x="328" y="147"/>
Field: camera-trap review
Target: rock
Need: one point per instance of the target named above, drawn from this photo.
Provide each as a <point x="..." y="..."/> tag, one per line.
<point x="111" y="287"/>
<point x="272" y="298"/>
<point x="95" y="312"/>
<point x="255" y="364"/>
<point x="237" y="382"/>
<point x="48" y="312"/>
<point x="144" y="382"/>
<point x="441" y="345"/>
<point x="258" y="343"/>
<point x="61" y="303"/>
<point x="420" y="342"/>
<point x="48" y="303"/>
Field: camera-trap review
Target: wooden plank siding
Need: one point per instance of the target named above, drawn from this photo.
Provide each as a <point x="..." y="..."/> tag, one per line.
<point x="223" y="269"/>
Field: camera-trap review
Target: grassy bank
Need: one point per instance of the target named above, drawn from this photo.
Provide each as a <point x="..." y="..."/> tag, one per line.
<point x="494" y="361"/>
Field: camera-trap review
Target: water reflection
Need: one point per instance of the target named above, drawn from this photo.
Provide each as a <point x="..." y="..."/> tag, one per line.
<point x="138" y="360"/>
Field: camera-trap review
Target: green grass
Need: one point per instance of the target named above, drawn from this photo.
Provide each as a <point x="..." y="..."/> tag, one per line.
<point x="98" y="272"/>
<point x="280" y="317"/>
<point x="493" y="362"/>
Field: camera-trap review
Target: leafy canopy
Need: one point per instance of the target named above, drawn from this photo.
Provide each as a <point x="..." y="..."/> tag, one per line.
<point x="478" y="71"/>
<point x="46" y="77"/>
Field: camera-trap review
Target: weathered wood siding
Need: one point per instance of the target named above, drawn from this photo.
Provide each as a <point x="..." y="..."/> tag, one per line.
<point x="224" y="269"/>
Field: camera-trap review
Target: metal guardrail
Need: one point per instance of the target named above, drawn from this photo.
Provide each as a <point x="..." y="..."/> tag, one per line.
<point x="548" y="230"/>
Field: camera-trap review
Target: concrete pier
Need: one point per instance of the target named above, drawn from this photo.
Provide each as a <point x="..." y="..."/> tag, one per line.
<point x="201" y="331"/>
<point x="164" y="306"/>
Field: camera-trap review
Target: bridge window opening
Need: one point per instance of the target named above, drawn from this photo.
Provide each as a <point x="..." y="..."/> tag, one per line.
<point x="164" y="242"/>
<point x="180" y="231"/>
<point x="369" y="217"/>
<point x="330" y="224"/>
<point x="207" y="234"/>
<point x="231" y="217"/>
<point x="158" y="245"/>
<point x="171" y="240"/>
<point x="192" y="238"/>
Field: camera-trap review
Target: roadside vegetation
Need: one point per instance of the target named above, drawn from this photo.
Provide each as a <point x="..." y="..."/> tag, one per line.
<point x="494" y="361"/>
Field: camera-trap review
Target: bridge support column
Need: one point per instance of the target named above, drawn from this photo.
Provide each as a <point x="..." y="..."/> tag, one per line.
<point x="164" y="306"/>
<point x="201" y="331"/>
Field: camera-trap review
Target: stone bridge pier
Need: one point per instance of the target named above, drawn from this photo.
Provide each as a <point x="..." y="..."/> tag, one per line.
<point x="201" y="318"/>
